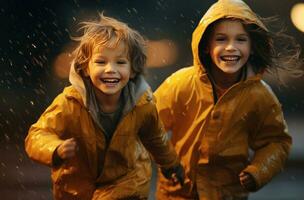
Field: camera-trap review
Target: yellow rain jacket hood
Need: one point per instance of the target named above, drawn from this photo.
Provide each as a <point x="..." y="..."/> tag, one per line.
<point x="212" y="137"/>
<point x="101" y="169"/>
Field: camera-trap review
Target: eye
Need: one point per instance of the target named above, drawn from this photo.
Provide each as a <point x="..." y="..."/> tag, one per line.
<point x="121" y="62"/>
<point x="242" y="39"/>
<point x="220" y="39"/>
<point x="101" y="62"/>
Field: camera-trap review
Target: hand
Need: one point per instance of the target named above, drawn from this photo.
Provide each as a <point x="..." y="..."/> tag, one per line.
<point x="67" y="149"/>
<point x="247" y="181"/>
<point x="175" y="174"/>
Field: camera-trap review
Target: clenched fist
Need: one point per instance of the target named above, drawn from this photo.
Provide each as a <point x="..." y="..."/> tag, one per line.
<point x="247" y="181"/>
<point x="176" y="174"/>
<point x="67" y="149"/>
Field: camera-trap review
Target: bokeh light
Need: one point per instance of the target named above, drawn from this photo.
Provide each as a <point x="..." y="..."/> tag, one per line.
<point x="62" y="65"/>
<point x="297" y="16"/>
<point x="161" y="53"/>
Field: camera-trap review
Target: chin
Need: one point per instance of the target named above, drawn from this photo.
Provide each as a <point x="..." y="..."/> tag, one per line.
<point x="231" y="70"/>
<point x="108" y="93"/>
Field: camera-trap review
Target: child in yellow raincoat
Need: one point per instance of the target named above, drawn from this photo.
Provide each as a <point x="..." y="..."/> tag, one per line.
<point x="95" y="135"/>
<point x="219" y="108"/>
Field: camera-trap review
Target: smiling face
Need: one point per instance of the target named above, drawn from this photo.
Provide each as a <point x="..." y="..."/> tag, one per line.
<point x="109" y="69"/>
<point x="229" y="46"/>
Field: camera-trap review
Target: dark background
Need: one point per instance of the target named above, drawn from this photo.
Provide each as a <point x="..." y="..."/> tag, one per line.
<point x="33" y="33"/>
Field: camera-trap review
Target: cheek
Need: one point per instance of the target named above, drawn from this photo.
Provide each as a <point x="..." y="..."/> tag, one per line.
<point x="215" y="53"/>
<point x="248" y="49"/>
<point x="216" y="48"/>
<point x="127" y="72"/>
<point x="89" y="69"/>
<point x="95" y="73"/>
<point x="246" y="52"/>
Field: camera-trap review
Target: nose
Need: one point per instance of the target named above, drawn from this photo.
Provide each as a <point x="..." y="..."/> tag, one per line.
<point x="231" y="46"/>
<point x="110" y="68"/>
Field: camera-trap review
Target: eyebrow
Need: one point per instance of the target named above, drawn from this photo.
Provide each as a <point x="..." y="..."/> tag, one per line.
<point x="123" y="56"/>
<point x="224" y="34"/>
<point x="100" y="56"/>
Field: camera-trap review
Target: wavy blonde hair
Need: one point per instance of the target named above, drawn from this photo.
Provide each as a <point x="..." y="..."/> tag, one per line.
<point x="109" y="32"/>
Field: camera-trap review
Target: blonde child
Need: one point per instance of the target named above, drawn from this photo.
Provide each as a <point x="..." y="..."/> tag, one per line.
<point x="96" y="133"/>
<point x="219" y="108"/>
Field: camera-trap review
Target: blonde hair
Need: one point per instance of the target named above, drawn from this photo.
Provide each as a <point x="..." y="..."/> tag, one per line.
<point x="109" y="32"/>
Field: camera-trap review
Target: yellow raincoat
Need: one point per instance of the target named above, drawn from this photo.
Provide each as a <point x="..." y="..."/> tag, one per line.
<point x="99" y="171"/>
<point x="213" y="138"/>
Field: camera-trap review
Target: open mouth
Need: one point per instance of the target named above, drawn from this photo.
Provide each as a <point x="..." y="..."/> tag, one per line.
<point x="230" y="58"/>
<point x="110" y="80"/>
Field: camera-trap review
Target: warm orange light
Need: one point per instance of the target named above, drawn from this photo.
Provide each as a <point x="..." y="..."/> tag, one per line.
<point x="63" y="61"/>
<point x="161" y="53"/>
<point x="297" y="16"/>
<point x="62" y="65"/>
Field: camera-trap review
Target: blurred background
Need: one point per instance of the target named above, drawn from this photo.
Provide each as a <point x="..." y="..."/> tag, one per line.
<point x="35" y="49"/>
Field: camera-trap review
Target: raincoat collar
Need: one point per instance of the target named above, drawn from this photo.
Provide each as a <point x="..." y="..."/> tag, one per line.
<point x="221" y="9"/>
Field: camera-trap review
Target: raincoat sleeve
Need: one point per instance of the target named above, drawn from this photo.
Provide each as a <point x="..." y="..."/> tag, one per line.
<point x="165" y="97"/>
<point x="271" y="144"/>
<point x="44" y="136"/>
<point x="157" y="142"/>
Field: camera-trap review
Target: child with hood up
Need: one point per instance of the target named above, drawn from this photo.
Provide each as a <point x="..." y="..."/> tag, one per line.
<point x="98" y="133"/>
<point x="219" y="109"/>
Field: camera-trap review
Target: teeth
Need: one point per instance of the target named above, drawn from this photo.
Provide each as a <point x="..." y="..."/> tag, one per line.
<point x="110" y="80"/>
<point x="230" y="58"/>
